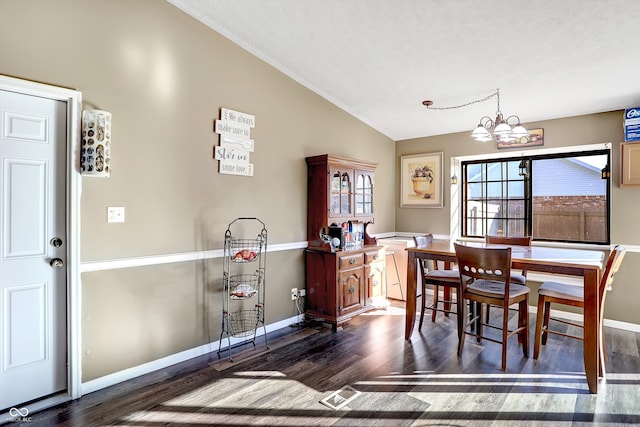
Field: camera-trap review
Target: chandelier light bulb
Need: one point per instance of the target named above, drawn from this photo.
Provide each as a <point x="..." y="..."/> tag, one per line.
<point x="519" y="131"/>
<point x="481" y="133"/>
<point x="502" y="129"/>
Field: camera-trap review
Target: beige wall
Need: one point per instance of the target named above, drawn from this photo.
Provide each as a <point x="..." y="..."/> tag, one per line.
<point x="582" y="130"/>
<point x="164" y="76"/>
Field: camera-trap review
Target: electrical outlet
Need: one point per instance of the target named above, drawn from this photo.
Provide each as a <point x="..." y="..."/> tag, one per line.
<point x="302" y="292"/>
<point x="294" y="294"/>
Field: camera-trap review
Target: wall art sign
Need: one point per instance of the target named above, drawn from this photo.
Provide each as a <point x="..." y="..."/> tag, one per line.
<point x="223" y="127"/>
<point x="230" y="141"/>
<point x="237" y="118"/>
<point x="421" y="181"/>
<point x="231" y="168"/>
<point x="234" y="150"/>
<point x="231" y="154"/>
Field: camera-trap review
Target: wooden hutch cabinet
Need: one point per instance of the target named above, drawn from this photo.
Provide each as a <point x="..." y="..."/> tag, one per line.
<point x="345" y="282"/>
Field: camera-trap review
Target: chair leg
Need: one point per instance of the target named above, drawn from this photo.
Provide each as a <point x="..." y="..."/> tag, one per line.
<point x="462" y="322"/>
<point x="523" y="322"/>
<point x="477" y="314"/>
<point x="537" y="338"/>
<point x="486" y="320"/>
<point x="545" y="325"/>
<point x="423" y="308"/>
<point x="603" y="347"/>
<point x="520" y="336"/>
<point x="505" y="333"/>
<point x="436" y="296"/>
<point x="446" y="300"/>
<point x="471" y="315"/>
<point x="603" y="350"/>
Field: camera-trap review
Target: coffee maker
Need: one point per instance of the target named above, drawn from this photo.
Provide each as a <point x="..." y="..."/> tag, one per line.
<point x="333" y="235"/>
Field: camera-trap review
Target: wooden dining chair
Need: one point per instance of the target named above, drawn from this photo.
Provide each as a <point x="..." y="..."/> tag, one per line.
<point x="485" y="277"/>
<point x="447" y="279"/>
<point x="516" y="277"/>
<point x="560" y="293"/>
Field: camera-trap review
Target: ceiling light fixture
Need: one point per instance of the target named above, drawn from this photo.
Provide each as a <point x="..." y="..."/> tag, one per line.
<point x="502" y="130"/>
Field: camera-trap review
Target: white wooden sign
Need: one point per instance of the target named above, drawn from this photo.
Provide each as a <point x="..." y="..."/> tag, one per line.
<point x="236" y="144"/>
<point x="224" y="127"/>
<point x="237" y="117"/>
<point x="232" y="168"/>
<point x="230" y="141"/>
<point x="231" y="154"/>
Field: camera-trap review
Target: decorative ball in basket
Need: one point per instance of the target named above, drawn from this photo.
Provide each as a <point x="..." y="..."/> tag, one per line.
<point x="245" y="250"/>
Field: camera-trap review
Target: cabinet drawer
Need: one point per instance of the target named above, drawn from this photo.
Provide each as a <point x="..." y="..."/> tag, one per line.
<point x="353" y="260"/>
<point x="370" y="257"/>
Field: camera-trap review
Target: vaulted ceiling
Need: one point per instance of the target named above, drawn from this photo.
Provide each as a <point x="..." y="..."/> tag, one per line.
<point x="379" y="59"/>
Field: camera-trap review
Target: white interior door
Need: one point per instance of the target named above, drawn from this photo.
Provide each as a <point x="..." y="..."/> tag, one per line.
<point x="32" y="248"/>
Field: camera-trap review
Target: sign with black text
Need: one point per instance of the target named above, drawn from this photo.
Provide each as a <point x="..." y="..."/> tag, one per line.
<point x="236" y="145"/>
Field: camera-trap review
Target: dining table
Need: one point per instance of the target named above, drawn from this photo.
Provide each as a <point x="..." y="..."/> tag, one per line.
<point x="586" y="263"/>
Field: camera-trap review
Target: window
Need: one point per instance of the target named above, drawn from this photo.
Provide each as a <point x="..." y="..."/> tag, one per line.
<point x="364" y="194"/>
<point x="552" y="197"/>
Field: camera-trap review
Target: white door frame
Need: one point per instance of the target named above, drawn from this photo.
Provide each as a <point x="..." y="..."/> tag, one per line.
<point x="73" y="99"/>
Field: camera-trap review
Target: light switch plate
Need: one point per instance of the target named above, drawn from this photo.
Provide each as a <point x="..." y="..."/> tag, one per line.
<point x="115" y="214"/>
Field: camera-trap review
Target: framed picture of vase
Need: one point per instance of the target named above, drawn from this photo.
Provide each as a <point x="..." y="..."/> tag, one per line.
<point x="421" y="181"/>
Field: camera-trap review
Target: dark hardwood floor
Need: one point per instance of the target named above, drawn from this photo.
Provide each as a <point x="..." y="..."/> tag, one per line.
<point x="391" y="382"/>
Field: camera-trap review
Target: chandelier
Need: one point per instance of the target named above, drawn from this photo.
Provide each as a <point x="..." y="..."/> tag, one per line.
<point x="488" y="129"/>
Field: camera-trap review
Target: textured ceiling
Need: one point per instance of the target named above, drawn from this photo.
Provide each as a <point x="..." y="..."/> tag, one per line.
<point x="379" y="59"/>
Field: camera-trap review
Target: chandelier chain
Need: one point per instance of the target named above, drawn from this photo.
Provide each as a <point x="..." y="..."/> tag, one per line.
<point x="455" y="107"/>
<point x="488" y="129"/>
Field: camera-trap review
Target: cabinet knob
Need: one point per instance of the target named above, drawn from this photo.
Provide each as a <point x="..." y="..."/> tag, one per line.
<point x="352" y="289"/>
<point x="352" y="261"/>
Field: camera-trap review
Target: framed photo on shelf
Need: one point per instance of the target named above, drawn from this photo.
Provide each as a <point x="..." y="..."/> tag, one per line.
<point x="534" y="139"/>
<point x="421" y="180"/>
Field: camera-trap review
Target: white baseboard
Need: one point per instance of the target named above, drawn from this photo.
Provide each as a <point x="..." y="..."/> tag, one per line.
<point x="577" y="317"/>
<point x="155" y="365"/>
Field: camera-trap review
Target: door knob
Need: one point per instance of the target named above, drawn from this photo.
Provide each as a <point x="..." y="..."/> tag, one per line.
<point x="56" y="263"/>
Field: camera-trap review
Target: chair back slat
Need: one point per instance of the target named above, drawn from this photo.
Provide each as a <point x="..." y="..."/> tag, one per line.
<point x="424" y="240"/>
<point x="420" y="242"/>
<point x="508" y="240"/>
<point x="610" y="270"/>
